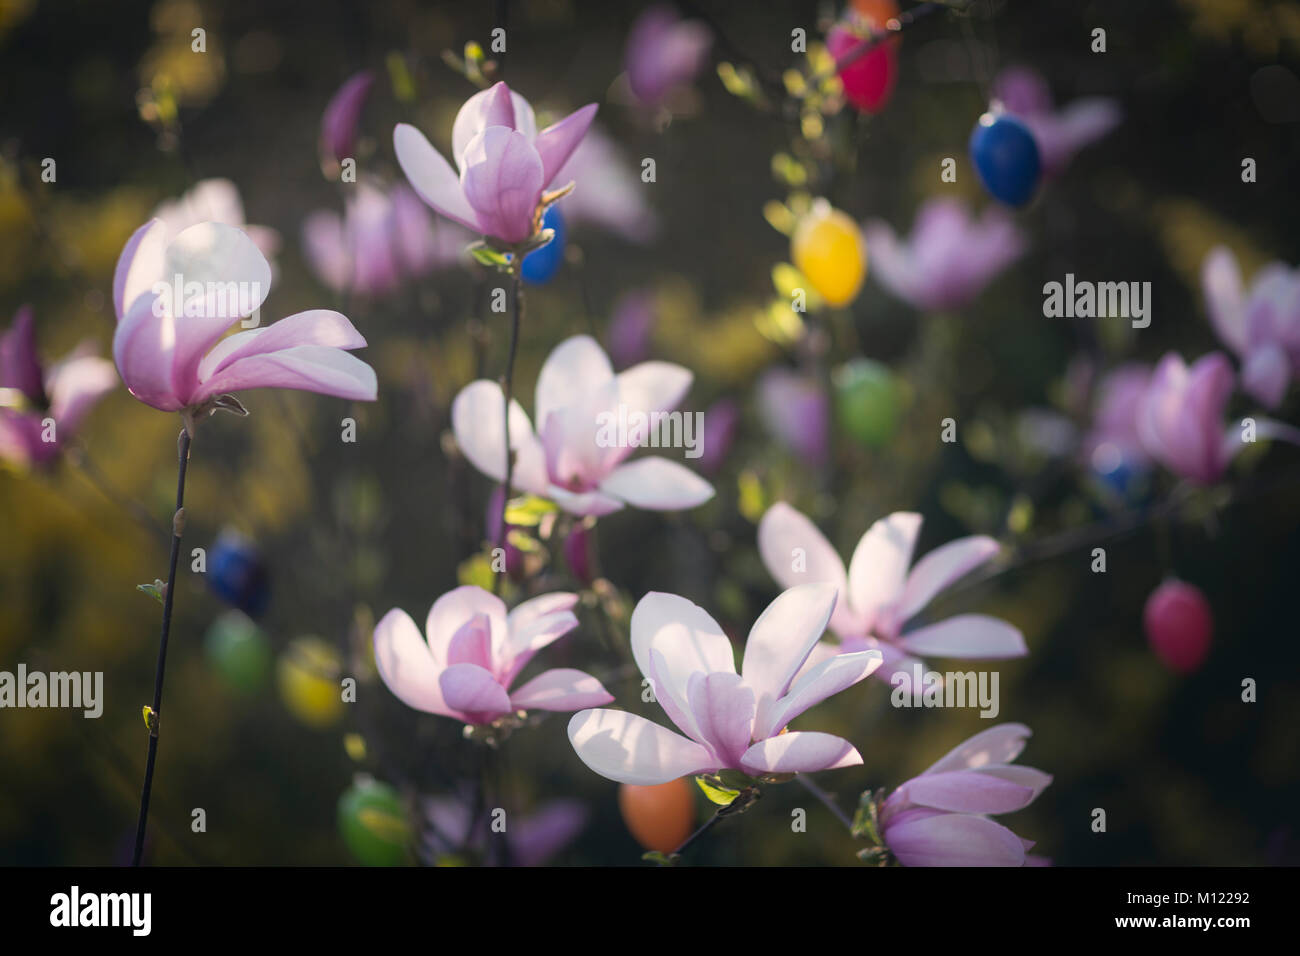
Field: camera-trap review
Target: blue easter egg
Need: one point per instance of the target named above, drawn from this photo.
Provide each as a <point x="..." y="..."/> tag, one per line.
<point x="540" y="265"/>
<point x="237" y="574"/>
<point x="1006" y="158"/>
<point x="1117" y="479"/>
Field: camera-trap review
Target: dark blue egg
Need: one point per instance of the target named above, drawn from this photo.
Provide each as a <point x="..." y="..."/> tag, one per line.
<point x="1006" y="158"/>
<point x="1119" y="480"/>
<point x="237" y="574"/>
<point x="540" y="265"/>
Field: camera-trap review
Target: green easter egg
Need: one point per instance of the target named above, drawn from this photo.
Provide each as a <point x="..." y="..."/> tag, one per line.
<point x="239" y="651"/>
<point x="867" y="403"/>
<point x="374" y="824"/>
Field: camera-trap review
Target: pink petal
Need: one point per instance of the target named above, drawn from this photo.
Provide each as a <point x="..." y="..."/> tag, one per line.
<point x="474" y="692"/>
<point x="966" y="791"/>
<point x="687" y="635"/>
<point x="824" y="679"/>
<point x="320" y="327"/>
<point x="325" y="246"/>
<point x="967" y="636"/>
<point x="501" y="177"/>
<point x="1221" y="286"/>
<point x="1266" y="374"/>
<point x="472" y="643"/>
<point x="586" y="503"/>
<point x="723" y="709"/>
<point x="338" y="123"/>
<point x="630" y="749"/>
<point x="575" y="368"/>
<point x="139" y="265"/>
<point x="997" y="745"/>
<point x="75" y="385"/>
<point x="308" y="368"/>
<point x="953" y="839"/>
<point x="942" y="567"/>
<point x="657" y="484"/>
<point x="478" y="422"/>
<point x="485" y="109"/>
<point x="786" y="540"/>
<point x="526" y="613"/>
<point x="878" y="570"/>
<point x="144" y="346"/>
<point x="432" y="177"/>
<point x="454" y="609"/>
<point x="556" y="143"/>
<point x="526" y="641"/>
<point x="561" y="689"/>
<point x="405" y="664"/>
<point x="800" y="751"/>
<point x="783" y="637"/>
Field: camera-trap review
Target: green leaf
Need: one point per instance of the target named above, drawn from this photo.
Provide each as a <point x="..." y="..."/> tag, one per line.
<point x="528" y="511"/>
<point x="157" y="590"/>
<point x="663" y="859"/>
<point x="717" y="793"/>
<point x="488" y="256"/>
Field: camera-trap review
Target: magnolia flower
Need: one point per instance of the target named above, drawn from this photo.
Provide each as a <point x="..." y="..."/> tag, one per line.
<point x="216" y="200"/>
<point x="1059" y="133"/>
<point x="505" y="164"/>
<point x="949" y="257"/>
<point x="41" y="407"/>
<point x="880" y="595"/>
<point x="175" y="297"/>
<point x="381" y="240"/>
<point x="338" y="123"/>
<point x="631" y="328"/>
<point x="664" y="53"/>
<point x="731" y="721"/>
<point x="721" y="419"/>
<point x="940" y="818"/>
<point x="1114" y="436"/>
<point x="532" y="839"/>
<point x="1261" y="325"/>
<point x="473" y="650"/>
<point x="577" y="456"/>
<point x="797" y="411"/>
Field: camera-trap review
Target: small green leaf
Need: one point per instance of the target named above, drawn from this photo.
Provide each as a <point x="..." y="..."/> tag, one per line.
<point x="157" y="590"/>
<point x="716" y="792"/>
<point x="488" y="256"/>
<point x="528" y="511"/>
<point x="663" y="859"/>
<point x="150" y="721"/>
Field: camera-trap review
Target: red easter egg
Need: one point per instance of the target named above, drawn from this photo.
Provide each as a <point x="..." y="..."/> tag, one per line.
<point x="869" y="80"/>
<point x="1179" y="625"/>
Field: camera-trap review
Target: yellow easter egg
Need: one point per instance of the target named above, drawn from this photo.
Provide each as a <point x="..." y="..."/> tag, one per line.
<point x="827" y="247"/>
<point x="308" y="674"/>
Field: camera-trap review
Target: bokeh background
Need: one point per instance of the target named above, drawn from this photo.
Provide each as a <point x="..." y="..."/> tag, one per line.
<point x="1187" y="773"/>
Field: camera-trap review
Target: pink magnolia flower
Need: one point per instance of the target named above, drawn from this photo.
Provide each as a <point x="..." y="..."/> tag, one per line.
<point x="473" y="650"/>
<point x="1180" y="420"/>
<point x="381" y="240"/>
<point x="948" y="259"/>
<point x="40" y="408"/>
<point x="631" y="328"/>
<point x="338" y="123"/>
<point x="1114" y="433"/>
<point x="216" y="200"/>
<point x="1261" y="325"/>
<point x="577" y="458"/>
<point x="1059" y="133"/>
<point x="175" y="297"/>
<point x="504" y="164"/>
<point x="940" y="818"/>
<point x="731" y="721"/>
<point x="664" y="53"/>
<point x="880" y="595"/>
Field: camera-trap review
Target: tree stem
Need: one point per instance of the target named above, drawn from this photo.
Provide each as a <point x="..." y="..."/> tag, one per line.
<point x="178" y="528"/>
<point x="507" y="389"/>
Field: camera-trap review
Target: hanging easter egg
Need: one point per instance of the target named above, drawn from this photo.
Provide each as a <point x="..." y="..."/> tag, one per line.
<point x="661" y="816"/>
<point x="308" y="675"/>
<point x="239" y="651"/>
<point x="540" y="265"/>
<point x="868" y="80"/>
<point x="374" y="824"/>
<point x="1006" y="158"/>
<point x="1118" y="476"/>
<point x="866" y="401"/>
<point x="1179" y="625"/>
<point x="237" y="574"/>
<point x="827" y="247"/>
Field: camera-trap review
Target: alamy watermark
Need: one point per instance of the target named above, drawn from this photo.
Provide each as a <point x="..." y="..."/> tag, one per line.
<point x="229" y="300"/>
<point x="76" y="689"/>
<point x="951" y="689"/>
<point x="633" y="428"/>
<point x="1098" y="300"/>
